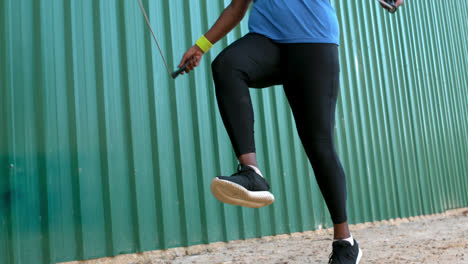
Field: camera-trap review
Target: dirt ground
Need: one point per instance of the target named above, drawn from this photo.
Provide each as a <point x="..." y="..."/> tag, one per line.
<point x="440" y="238"/>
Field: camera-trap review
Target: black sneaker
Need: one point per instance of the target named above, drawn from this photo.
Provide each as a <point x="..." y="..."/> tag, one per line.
<point x="243" y="188"/>
<point x="344" y="253"/>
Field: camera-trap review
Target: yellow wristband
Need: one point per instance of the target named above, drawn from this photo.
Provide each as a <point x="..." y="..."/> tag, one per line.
<point x="204" y="44"/>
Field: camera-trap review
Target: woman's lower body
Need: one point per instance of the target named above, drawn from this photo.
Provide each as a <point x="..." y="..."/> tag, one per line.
<point x="309" y="73"/>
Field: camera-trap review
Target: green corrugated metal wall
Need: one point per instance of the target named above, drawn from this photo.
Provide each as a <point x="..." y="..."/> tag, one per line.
<point x="101" y="153"/>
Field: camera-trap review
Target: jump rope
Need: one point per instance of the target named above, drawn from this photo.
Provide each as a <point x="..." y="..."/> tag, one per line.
<point x="389" y="5"/>
<point x="172" y="74"/>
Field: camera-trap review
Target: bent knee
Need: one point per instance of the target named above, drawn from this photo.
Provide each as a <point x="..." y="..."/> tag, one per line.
<point x="226" y="62"/>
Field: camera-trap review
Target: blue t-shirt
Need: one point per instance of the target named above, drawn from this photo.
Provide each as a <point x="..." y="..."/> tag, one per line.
<point x="295" y="21"/>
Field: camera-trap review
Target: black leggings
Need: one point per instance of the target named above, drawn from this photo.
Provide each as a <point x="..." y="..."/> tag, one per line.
<point x="309" y="73"/>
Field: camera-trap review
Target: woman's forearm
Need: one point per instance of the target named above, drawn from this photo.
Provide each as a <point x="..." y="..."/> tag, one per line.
<point x="229" y="18"/>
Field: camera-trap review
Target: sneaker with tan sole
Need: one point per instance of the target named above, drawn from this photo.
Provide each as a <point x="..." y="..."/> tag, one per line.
<point x="243" y="188"/>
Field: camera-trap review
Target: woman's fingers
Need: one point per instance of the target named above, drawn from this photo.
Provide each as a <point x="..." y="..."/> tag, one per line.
<point x="193" y="57"/>
<point x="182" y="62"/>
<point x="189" y="66"/>
<point x="194" y="62"/>
<point x="188" y="54"/>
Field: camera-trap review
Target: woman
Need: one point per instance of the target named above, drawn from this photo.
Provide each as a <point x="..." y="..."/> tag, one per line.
<point x="293" y="43"/>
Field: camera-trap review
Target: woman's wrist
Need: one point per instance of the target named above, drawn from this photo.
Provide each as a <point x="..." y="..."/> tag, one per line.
<point x="204" y="44"/>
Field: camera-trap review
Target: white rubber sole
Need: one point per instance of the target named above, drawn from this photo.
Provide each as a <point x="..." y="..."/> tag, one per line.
<point x="359" y="256"/>
<point x="231" y="193"/>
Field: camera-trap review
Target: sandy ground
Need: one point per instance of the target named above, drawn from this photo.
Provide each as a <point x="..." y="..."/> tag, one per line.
<point x="440" y="238"/>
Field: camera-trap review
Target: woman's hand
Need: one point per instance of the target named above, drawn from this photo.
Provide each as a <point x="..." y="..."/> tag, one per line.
<point x="194" y="56"/>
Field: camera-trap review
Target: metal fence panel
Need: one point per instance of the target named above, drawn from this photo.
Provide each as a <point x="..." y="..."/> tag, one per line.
<point x="101" y="153"/>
